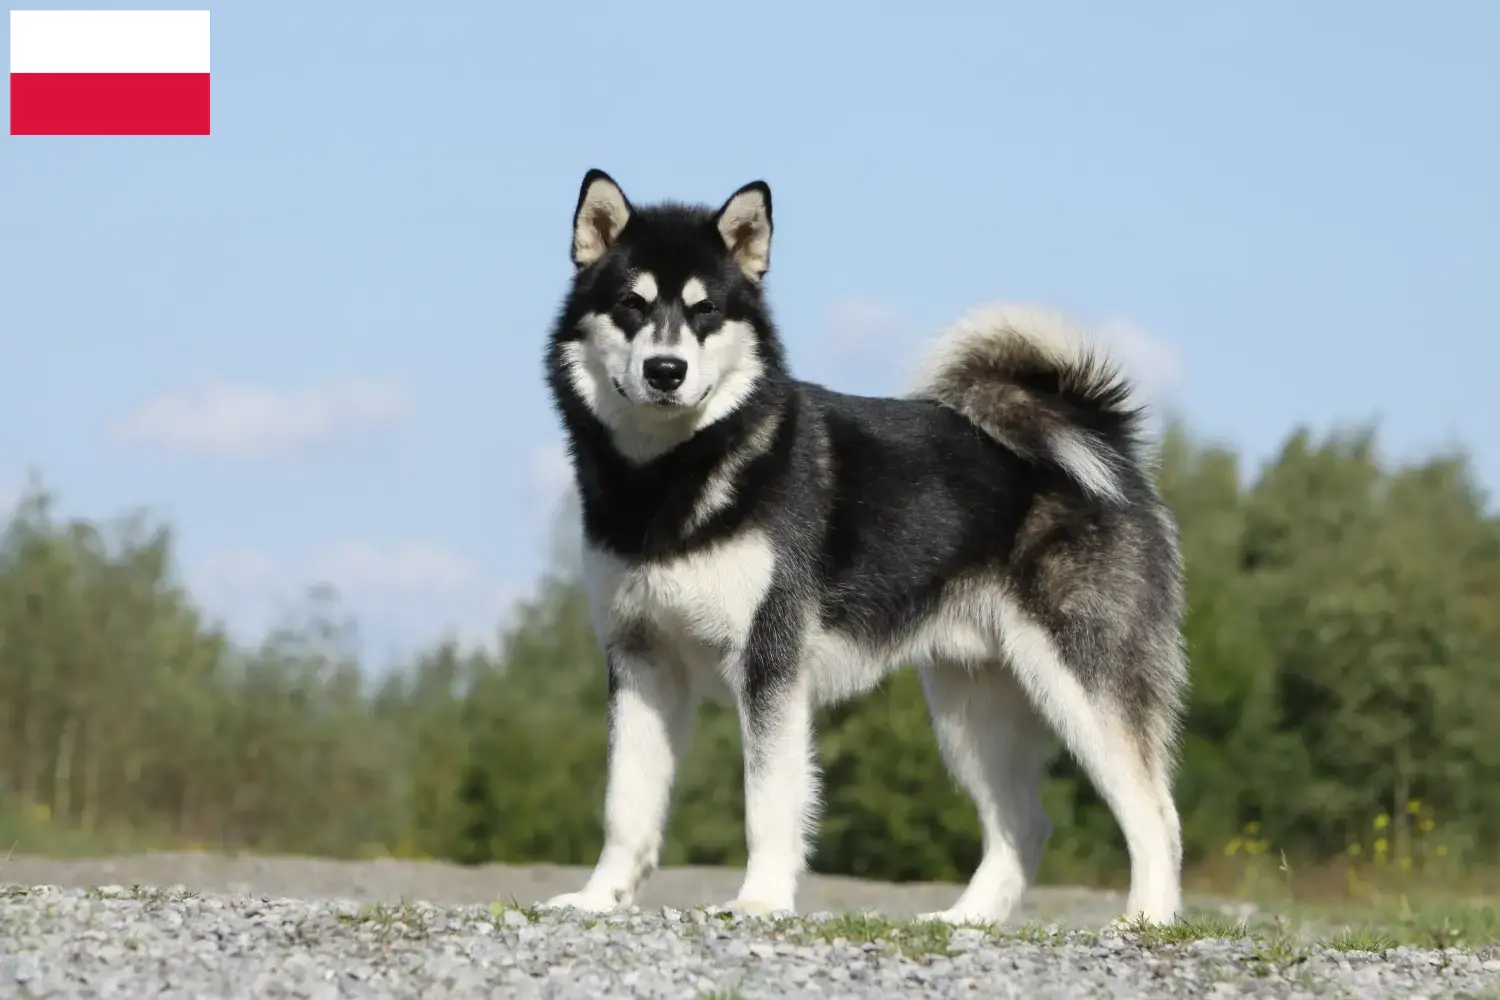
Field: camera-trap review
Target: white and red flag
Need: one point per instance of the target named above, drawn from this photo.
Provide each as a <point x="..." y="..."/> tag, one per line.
<point x="109" y="72"/>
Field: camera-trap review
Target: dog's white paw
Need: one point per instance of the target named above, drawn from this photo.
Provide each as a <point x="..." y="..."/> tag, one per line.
<point x="584" y="902"/>
<point x="760" y="907"/>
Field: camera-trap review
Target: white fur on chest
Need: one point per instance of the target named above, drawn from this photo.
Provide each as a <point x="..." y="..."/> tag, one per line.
<point x="700" y="606"/>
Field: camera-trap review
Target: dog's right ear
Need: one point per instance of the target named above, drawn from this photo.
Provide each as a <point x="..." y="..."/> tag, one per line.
<point x="602" y="212"/>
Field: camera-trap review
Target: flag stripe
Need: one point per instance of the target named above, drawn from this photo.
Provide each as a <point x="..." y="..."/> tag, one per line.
<point x="109" y="41"/>
<point x="109" y="103"/>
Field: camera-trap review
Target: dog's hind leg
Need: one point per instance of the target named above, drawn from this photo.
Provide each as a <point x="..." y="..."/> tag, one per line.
<point x="1123" y="743"/>
<point x="650" y="719"/>
<point x="995" y="746"/>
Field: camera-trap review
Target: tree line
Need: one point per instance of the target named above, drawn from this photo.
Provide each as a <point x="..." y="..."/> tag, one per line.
<point x="1343" y="629"/>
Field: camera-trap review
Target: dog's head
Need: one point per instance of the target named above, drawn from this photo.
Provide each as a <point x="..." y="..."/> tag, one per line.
<point x="666" y="330"/>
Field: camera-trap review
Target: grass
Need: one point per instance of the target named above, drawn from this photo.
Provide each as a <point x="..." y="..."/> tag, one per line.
<point x="913" y="938"/>
<point x="1371" y="939"/>
<point x="399" y="921"/>
<point x="1365" y="925"/>
<point x="1431" y="919"/>
<point x="1279" y="942"/>
<point x="145" y="894"/>
<point x="1199" y="927"/>
<point x="1385" y="891"/>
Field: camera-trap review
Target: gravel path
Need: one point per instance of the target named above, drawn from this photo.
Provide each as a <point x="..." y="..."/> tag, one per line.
<point x="390" y="881"/>
<point x="320" y="929"/>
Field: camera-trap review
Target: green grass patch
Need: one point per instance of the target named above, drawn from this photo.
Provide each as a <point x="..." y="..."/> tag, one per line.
<point x="913" y="938"/>
<point x="1371" y="939"/>
<point x="1196" y="927"/>
<point x="1425" y="922"/>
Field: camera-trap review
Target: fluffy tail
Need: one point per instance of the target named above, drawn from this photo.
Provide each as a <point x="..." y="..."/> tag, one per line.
<point x="1034" y="382"/>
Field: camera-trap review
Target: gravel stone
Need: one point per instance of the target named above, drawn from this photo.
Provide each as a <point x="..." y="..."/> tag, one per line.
<point x="355" y="936"/>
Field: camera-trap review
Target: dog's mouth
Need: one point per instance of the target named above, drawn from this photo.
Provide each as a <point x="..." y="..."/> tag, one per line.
<point x="662" y="401"/>
<point x="674" y="403"/>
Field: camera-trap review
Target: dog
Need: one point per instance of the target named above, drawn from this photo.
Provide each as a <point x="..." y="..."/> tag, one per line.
<point x="780" y="546"/>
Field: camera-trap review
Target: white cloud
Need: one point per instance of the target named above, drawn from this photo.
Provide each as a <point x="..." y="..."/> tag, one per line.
<point x="408" y="593"/>
<point x="253" y="422"/>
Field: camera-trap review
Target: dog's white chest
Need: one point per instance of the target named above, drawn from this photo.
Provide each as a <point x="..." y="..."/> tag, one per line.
<point x="709" y="597"/>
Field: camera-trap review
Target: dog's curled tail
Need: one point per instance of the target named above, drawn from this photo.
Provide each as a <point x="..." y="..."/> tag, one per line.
<point x="1032" y="380"/>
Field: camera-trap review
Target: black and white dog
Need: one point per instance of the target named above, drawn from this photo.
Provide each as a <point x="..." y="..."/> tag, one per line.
<point x="782" y="545"/>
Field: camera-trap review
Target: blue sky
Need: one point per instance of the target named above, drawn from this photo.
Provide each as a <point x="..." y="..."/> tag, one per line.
<point x="313" y="340"/>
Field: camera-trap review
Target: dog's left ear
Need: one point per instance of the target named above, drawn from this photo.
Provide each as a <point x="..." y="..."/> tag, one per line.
<point x="745" y="224"/>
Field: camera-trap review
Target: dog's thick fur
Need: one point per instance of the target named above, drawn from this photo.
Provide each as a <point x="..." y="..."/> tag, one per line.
<point x="783" y="545"/>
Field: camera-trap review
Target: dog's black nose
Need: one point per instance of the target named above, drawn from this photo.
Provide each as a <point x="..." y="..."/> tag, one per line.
<point x="664" y="373"/>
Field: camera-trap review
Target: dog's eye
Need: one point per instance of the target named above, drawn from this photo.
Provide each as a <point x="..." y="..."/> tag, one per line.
<point x="633" y="302"/>
<point x="705" y="307"/>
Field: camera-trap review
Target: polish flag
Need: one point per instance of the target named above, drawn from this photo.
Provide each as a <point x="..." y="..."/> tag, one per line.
<point x="109" y="72"/>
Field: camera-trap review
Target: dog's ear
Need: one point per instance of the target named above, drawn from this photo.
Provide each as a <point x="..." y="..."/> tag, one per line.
<point x="745" y="224"/>
<point x="602" y="212"/>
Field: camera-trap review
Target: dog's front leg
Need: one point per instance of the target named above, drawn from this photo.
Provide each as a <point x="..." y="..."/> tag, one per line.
<point x="781" y="785"/>
<point x="650" y="718"/>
